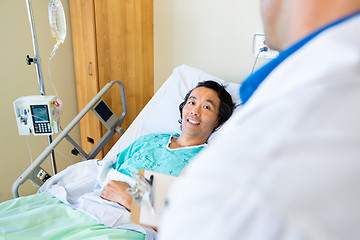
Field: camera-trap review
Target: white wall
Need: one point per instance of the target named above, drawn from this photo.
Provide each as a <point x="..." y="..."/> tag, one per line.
<point x="212" y="35"/>
<point x="19" y="79"/>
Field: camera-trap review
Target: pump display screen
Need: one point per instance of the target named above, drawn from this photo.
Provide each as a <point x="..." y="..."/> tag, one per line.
<point x="41" y="121"/>
<point x="39" y="113"/>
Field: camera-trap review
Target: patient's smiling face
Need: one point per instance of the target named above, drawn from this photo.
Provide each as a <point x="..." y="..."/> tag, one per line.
<point x="200" y="113"/>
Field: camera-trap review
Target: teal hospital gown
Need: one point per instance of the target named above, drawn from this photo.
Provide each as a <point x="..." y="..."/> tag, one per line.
<point x="152" y="152"/>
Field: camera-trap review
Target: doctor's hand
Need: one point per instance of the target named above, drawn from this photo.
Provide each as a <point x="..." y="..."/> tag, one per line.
<point x="115" y="191"/>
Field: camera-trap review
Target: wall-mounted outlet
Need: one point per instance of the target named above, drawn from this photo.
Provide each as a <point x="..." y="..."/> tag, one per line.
<point x="260" y="49"/>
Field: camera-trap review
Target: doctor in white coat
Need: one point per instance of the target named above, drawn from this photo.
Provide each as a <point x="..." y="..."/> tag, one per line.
<point x="286" y="165"/>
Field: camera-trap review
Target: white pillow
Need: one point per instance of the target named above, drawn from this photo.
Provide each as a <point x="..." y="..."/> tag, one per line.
<point x="164" y="117"/>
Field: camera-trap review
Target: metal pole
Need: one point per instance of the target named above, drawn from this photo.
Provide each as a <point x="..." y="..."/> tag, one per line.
<point x="38" y="69"/>
<point x="36" y="50"/>
<point x="52" y="156"/>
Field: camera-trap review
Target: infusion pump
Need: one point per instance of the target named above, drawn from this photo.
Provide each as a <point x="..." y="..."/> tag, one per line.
<point x="37" y="114"/>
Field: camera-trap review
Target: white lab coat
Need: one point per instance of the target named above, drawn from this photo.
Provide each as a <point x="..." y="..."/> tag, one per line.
<point x="287" y="165"/>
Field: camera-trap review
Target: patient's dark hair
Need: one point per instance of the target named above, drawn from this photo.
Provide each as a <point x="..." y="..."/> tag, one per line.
<point x="226" y="107"/>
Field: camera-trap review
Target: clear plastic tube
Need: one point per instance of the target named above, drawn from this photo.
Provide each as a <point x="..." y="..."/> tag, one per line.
<point x="57" y="23"/>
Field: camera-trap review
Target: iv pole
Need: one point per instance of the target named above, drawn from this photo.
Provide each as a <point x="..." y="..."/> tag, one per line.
<point x="36" y="61"/>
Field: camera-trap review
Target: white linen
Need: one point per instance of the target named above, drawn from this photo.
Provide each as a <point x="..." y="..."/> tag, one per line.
<point x="80" y="186"/>
<point x="286" y="165"/>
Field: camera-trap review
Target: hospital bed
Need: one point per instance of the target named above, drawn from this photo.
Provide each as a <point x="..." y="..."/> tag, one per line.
<point x="43" y="216"/>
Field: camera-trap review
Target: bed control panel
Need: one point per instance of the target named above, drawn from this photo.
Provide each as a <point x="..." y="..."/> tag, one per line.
<point x="39" y="176"/>
<point x="43" y="176"/>
<point x="104" y="114"/>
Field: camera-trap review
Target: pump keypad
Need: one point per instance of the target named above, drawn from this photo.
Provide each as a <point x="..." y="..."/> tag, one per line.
<point x="42" y="127"/>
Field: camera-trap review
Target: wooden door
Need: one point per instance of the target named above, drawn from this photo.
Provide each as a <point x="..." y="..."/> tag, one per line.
<point x="124" y="35"/>
<point x="82" y="14"/>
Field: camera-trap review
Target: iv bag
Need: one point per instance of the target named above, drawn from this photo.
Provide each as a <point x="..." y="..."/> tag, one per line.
<point x="57" y="23"/>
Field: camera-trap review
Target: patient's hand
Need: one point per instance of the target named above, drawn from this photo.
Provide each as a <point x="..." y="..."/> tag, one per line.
<point x="116" y="191"/>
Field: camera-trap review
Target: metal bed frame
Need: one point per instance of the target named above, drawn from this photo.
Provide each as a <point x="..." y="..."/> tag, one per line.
<point x="38" y="175"/>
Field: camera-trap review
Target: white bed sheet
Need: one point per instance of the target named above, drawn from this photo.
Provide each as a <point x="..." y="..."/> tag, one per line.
<point x="80" y="186"/>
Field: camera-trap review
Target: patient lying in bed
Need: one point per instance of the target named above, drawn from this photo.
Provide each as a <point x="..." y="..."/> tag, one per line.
<point x="59" y="208"/>
<point x="98" y="187"/>
<point x="204" y="109"/>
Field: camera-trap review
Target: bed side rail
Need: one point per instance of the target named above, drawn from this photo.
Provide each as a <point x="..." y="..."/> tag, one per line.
<point x="38" y="175"/>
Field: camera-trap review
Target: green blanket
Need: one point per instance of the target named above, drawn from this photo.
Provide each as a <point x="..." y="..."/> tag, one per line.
<point x="42" y="216"/>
